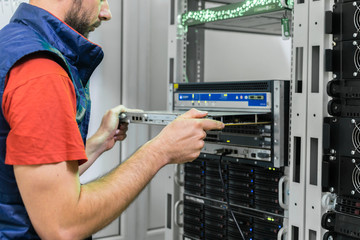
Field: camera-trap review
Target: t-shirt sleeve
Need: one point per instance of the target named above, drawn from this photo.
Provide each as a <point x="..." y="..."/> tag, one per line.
<point x="39" y="104"/>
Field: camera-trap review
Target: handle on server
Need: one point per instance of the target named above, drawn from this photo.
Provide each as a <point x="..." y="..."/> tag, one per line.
<point x="283" y="179"/>
<point x="177" y="178"/>
<point x="281" y="233"/>
<point x="176" y="214"/>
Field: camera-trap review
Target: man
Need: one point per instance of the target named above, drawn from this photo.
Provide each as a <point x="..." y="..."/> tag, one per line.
<point x="45" y="65"/>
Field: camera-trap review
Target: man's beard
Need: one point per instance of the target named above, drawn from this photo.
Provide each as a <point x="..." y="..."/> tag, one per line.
<point x="78" y="19"/>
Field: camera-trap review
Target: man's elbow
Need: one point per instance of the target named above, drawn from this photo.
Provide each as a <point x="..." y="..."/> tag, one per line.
<point x="57" y="233"/>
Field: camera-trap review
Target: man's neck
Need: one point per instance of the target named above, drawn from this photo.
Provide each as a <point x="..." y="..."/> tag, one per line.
<point x="58" y="8"/>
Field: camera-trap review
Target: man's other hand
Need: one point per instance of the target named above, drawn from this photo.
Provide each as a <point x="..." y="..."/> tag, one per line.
<point x="182" y="140"/>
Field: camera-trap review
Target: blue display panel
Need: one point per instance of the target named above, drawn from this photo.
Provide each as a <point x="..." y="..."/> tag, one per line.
<point x="252" y="99"/>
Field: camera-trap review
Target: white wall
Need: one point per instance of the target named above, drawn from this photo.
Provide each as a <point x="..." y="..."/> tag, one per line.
<point x="7" y="7"/>
<point x="231" y="56"/>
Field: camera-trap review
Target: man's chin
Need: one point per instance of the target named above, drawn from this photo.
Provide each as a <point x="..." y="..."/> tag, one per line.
<point x="86" y="34"/>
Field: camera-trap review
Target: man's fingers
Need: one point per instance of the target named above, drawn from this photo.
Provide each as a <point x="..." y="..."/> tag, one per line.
<point x="123" y="126"/>
<point x="119" y="109"/>
<point x="193" y="113"/>
<point x="209" y="124"/>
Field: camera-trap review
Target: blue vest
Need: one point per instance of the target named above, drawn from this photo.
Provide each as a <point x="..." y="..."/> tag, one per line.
<point x="32" y="30"/>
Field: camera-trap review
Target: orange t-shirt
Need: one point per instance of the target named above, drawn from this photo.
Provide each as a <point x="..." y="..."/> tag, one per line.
<point x="39" y="103"/>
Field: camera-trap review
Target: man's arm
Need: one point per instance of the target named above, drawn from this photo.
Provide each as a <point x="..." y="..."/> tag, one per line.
<point x="60" y="208"/>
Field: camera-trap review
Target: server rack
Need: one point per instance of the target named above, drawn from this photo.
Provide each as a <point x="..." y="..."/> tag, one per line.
<point x="324" y="124"/>
<point x="199" y="204"/>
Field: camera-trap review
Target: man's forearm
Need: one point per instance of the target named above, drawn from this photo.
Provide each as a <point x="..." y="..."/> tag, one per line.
<point x="95" y="146"/>
<point x="109" y="196"/>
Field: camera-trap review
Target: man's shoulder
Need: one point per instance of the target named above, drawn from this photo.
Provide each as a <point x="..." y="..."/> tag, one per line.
<point x="37" y="65"/>
<point x="17" y="41"/>
<point x="16" y="32"/>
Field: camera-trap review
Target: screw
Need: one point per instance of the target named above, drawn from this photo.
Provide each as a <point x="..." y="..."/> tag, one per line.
<point x="353" y="121"/>
<point x="353" y="160"/>
<point x="332" y="151"/>
<point x="332" y="189"/>
<point x="329" y="220"/>
<point x="334" y="76"/>
<point x="354" y="4"/>
<point x="332" y="158"/>
<point x="355" y="74"/>
<point x="352" y="192"/>
<point x="330" y="238"/>
<point x="352" y="152"/>
<point x="355" y="43"/>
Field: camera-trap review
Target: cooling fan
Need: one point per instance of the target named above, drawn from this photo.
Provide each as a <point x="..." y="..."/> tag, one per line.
<point x="356" y="178"/>
<point x="356" y="136"/>
<point x="356" y="59"/>
<point x="356" y="18"/>
<point x="357" y="26"/>
<point x="356" y="171"/>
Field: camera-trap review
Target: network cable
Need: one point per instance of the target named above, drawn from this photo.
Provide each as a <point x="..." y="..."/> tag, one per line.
<point x="226" y="197"/>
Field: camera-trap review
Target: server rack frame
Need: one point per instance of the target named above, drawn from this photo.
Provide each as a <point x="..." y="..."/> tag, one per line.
<point x="308" y="82"/>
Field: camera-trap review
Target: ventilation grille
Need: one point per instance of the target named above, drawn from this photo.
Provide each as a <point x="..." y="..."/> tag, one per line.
<point x="256" y="86"/>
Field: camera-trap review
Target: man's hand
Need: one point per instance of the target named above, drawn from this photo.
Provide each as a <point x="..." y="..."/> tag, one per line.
<point x="106" y="136"/>
<point x="182" y="140"/>
<point x="110" y="131"/>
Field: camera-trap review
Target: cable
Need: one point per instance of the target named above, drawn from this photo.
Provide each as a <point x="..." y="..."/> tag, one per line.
<point x="226" y="197"/>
